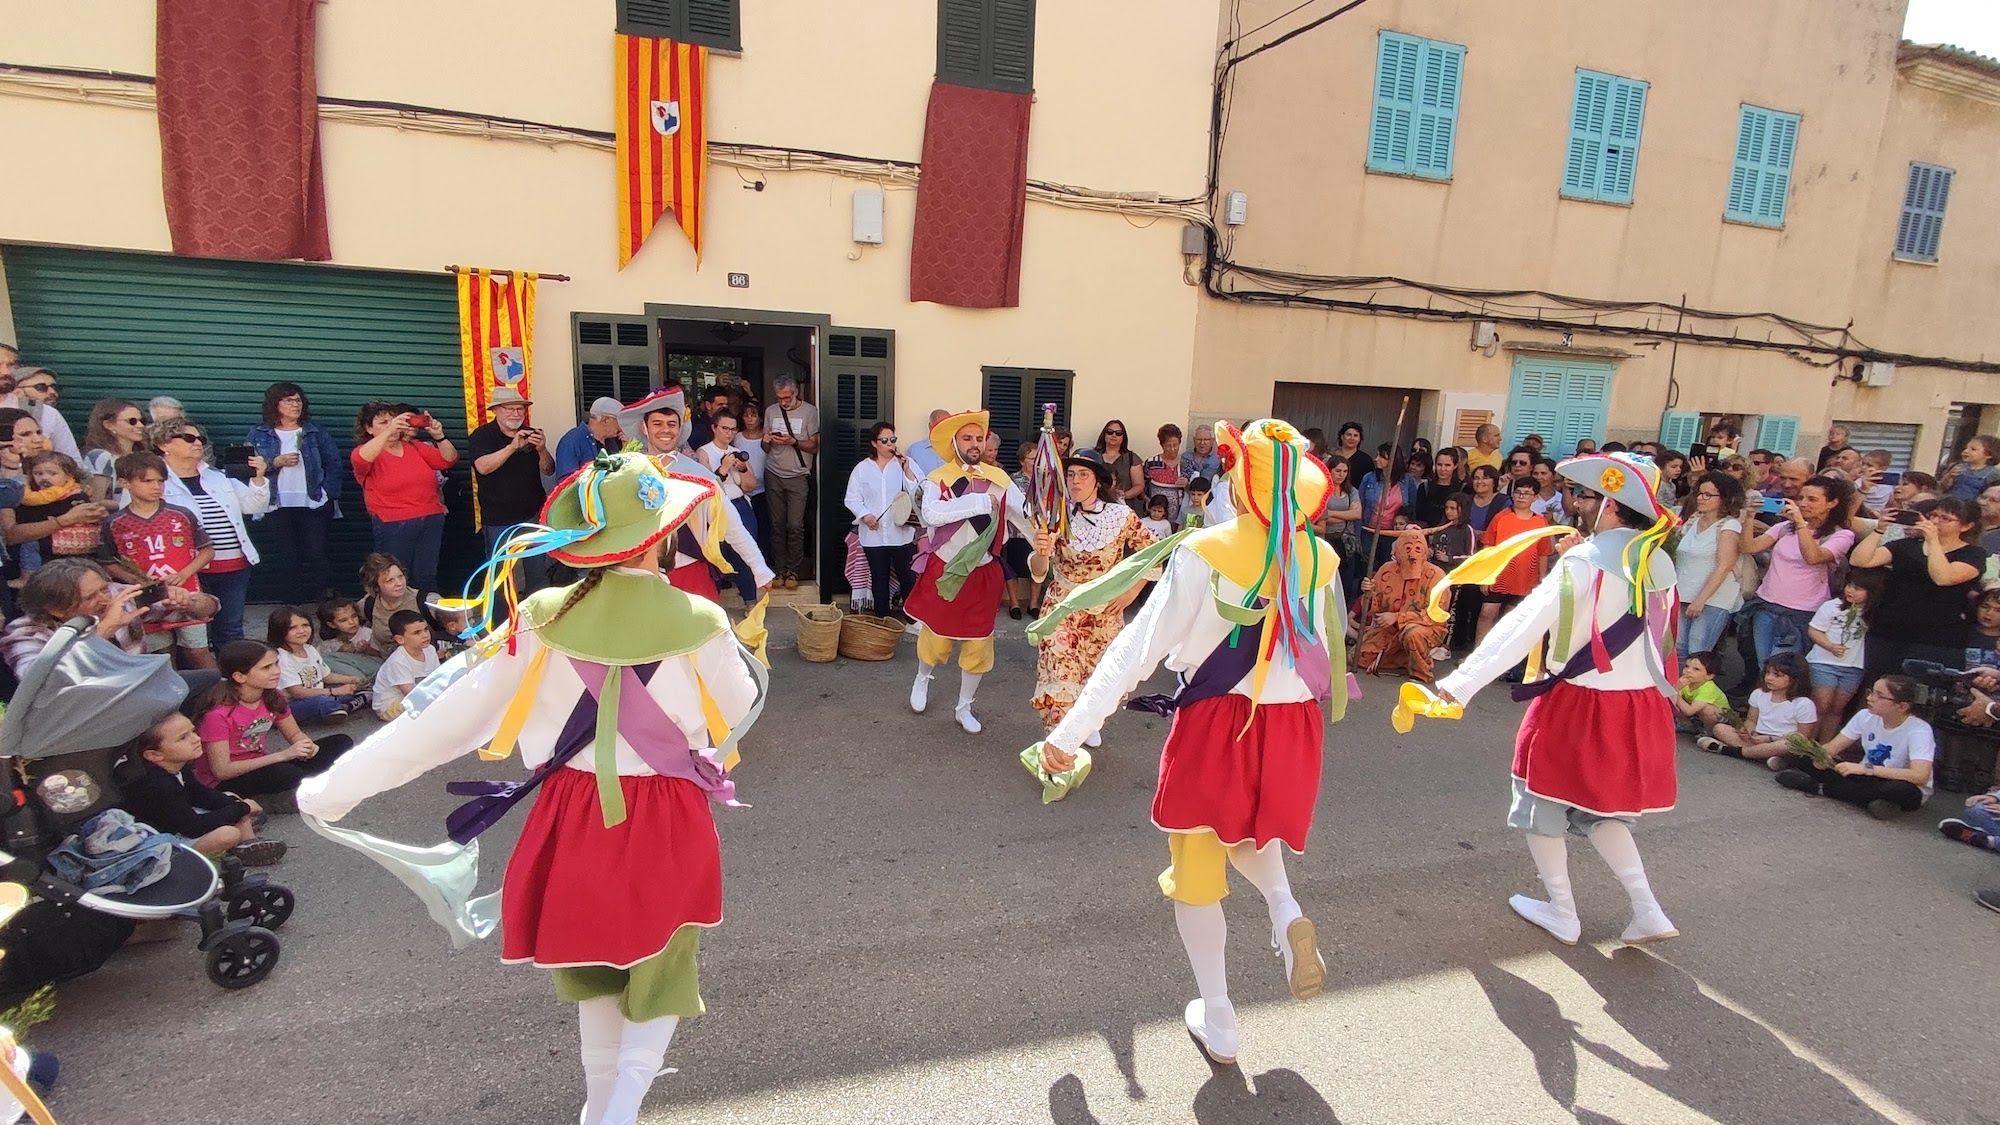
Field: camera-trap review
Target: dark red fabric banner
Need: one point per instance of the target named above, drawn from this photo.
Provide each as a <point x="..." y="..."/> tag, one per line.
<point x="972" y="199"/>
<point x="239" y="129"/>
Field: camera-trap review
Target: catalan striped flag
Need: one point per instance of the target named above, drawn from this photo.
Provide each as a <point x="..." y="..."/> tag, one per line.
<point x="662" y="138"/>
<point x="496" y="340"/>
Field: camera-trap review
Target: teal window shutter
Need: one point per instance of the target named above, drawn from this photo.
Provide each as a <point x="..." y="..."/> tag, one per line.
<point x="1603" y="156"/>
<point x="1680" y="429"/>
<point x="1413" y="128"/>
<point x="1922" y="223"/>
<point x="1761" y="180"/>
<point x="1779" y="433"/>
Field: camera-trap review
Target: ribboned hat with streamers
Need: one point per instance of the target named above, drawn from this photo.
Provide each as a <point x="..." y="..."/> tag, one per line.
<point x="1631" y="479"/>
<point x="603" y="514"/>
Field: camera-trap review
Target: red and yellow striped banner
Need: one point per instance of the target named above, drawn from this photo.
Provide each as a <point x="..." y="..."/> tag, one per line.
<point x="496" y="315"/>
<point x="662" y="138"/>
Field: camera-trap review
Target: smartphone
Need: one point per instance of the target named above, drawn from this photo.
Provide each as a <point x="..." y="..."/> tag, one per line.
<point x="1700" y="451"/>
<point x="1773" y="505"/>
<point x="422" y="420"/>
<point x="153" y="593"/>
<point x="1908" y="519"/>
<point x="235" y="461"/>
<point x="1889" y="477"/>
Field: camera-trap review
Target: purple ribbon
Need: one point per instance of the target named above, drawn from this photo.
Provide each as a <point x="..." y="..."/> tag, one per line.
<point x="1226" y="666"/>
<point x="1617" y="639"/>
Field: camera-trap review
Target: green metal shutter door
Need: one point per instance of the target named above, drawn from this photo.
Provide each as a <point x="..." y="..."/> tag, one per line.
<point x="214" y="334"/>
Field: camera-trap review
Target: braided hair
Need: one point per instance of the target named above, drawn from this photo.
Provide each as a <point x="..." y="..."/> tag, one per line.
<point x="577" y="593"/>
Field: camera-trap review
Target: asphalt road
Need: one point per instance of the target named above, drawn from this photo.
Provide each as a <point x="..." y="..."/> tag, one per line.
<point x="912" y="937"/>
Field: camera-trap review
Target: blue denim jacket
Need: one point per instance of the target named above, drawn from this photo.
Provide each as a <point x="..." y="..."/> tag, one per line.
<point x="325" y="469"/>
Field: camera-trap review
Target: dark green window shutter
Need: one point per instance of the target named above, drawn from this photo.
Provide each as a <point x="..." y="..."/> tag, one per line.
<point x="616" y="357"/>
<point x="712" y="23"/>
<point x="987" y="43"/>
<point x="1013" y="398"/>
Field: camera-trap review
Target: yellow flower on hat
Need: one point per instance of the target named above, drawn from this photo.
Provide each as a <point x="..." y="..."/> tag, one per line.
<point x="1612" y="480"/>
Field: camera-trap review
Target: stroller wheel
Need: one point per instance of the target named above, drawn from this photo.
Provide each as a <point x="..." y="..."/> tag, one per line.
<point x="243" y="957"/>
<point x="267" y="905"/>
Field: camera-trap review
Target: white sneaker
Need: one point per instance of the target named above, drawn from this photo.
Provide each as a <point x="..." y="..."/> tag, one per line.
<point x="1649" y="926"/>
<point x="920" y="694"/>
<point x="1305" y="969"/>
<point x="1215" y="1037"/>
<point x="965" y="720"/>
<point x="1094" y="739"/>
<point x="1564" y="927"/>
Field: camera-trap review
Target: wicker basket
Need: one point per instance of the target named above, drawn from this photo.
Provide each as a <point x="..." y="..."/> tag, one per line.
<point x="819" y="633"/>
<point x="869" y="638"/>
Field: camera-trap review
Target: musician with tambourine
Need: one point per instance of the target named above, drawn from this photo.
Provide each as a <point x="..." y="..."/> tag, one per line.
<point x="881" y="495"/>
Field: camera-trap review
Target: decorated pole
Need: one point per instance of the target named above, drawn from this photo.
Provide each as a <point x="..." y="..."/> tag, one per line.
<point x="1047" y="502"/>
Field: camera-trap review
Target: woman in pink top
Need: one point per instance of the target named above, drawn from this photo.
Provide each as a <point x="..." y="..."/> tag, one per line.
<point x="399" y="484"/>
<point x="1810" y="537"/>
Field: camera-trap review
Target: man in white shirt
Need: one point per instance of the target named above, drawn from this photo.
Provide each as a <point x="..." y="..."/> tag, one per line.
<point x="662" y="418"/>
<point x="35" y="392"/>
<point x="791" y="443"/>
<point x="888" y="544"/>
<point x="721" y="457"/>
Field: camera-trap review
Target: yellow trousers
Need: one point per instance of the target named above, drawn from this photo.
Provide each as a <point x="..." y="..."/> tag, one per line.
<point x="1199" y="872"/>
<point x="974" y="656"/>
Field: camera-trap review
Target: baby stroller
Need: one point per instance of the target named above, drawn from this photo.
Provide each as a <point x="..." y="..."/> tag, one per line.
<point x="80" y="702"/>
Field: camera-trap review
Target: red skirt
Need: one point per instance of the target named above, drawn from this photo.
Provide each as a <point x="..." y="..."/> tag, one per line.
<point x="967" y="617"/>
<point x="1605" y="752"/>
<point x="1259" y="787"/>
<point x="695" y="578"/>
<point x="578" y="893"/>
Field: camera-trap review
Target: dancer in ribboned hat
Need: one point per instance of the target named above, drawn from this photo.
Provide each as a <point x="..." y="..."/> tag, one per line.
<point x="1596" y="748"/>
<point x="965" y="507"/>
<point x="627" y="697"/>
<point x="1250" y="615"/>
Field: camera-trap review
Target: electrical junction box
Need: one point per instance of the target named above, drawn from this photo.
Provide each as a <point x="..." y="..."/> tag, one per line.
<point x="868" y="215"/>
<point x="1194" y="240"/>
<point x="1878" y="373"/>
<point x="1235" y="208"/>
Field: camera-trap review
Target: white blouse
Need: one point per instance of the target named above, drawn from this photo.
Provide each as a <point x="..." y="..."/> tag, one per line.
<point x="869" y="491"/>
<point x="1694" y="562"/>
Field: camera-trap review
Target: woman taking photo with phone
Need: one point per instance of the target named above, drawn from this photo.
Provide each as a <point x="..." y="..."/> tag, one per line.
<point x="399" y="484"/>
<point x="1809" y="537"/>
<point x="220" y="502"/>
<point x="1932" y="573"/>
<point x="306" y="463"/>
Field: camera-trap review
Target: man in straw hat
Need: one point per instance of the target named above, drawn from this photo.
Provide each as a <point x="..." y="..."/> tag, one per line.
<point x="965" y="506"/>
<point x="662" y="421"/>
<point x="627" y="698"/>
<point x="1596" y="747"/>
<point x="1250" y="616"/>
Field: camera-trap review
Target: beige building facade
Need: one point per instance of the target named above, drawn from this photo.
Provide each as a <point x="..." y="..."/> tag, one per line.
<point x="830" y="99"/>
<point x="1416" y="224"/>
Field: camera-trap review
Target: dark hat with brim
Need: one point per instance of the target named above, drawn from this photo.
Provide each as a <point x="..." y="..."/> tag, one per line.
<point x="1096" y="465"/>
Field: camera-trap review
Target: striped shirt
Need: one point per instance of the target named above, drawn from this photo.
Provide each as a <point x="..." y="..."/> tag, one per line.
<point x="221" y="532"/>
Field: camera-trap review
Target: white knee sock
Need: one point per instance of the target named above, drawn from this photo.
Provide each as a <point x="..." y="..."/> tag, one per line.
<point x="642" y="1048"/>
<point x="968" y="686"/>
<point x="1613" y="840"/>
<point x="1265" y="868"/>
<point x="1205" y="933"/>
<point x="599" y="1027"/>
<point x="1552" y="864"/>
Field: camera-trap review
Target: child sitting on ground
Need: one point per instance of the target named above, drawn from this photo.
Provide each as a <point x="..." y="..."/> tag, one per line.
<point x="244" y="711"/>
<point x="1778" y="710"/>
<point x="1982" y="645"/>
<point x="315" y="690"/>
<point x="348" y="644"/>
<point x="406" y="667"/>
<point x="1897" y="748"/>
<point x="1837" y="632"/>
<point x="1156" y="520"/>
<point x="1701" y="704"/>
<point x="162" y="792"/>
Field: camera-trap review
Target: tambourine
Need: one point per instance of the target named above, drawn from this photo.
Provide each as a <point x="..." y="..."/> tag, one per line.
<point x="899" y="510"/>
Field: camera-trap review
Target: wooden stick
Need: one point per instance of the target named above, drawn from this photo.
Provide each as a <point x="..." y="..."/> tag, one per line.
<point x="1368" y="561"/>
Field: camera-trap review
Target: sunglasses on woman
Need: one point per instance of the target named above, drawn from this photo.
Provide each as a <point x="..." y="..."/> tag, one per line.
<point x="191" y="439"/>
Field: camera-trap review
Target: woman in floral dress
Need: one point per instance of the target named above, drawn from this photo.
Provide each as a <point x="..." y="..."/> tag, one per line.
<point x="1101" y="534"/>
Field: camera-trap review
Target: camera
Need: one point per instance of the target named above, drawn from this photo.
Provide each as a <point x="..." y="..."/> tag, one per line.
<point x="1940" y="688"/>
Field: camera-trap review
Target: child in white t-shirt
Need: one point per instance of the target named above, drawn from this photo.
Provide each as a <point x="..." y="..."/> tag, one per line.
<point x="1778" y="710"/>
<point x="1897" y="749"/>
<point x="314" y="689"/>
<point x="1156" y="521"/>
<point x="406" y="667"/>
<point x="1837" y="632"/>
